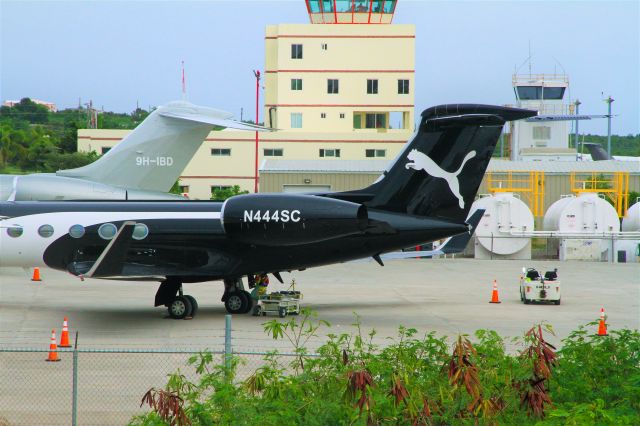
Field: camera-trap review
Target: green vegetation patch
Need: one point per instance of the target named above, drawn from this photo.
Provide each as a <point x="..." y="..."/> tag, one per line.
<point x="417" y="379"/>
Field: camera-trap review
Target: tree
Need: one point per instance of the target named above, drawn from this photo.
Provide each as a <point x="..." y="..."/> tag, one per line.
<point x="221" y="194"/>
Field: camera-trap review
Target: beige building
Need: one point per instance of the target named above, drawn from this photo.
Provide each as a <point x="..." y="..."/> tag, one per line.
<point x="339" y="91"/>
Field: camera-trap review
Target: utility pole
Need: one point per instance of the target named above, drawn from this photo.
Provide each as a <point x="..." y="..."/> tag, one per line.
<point x="578" y="146"/>
<point x="257" y="74"/>
<point x="609" y="101"/>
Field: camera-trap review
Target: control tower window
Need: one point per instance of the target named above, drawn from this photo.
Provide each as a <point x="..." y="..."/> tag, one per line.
<point x="389" y="6"/>
<point x="327" y="5"/>
<point x="343" y="6"/>
<point x="554" y="93"/>
<point x="372" y="87"/>
<point x="296" y="51"/>
<point x="314" y="6"/>
<point x="526" y="93"/>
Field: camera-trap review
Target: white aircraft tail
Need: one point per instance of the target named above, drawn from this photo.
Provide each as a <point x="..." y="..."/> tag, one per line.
<point x="155" y="153"/>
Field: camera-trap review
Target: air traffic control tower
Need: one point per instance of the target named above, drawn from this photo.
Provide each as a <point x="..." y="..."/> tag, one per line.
<point x="543" y="140"/>
<point x="349" y="70"/>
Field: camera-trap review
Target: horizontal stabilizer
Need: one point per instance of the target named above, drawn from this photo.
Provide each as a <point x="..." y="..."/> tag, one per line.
<point x="112" y="258"/>
<point x="564" y="117"/>
<point x="458" y="243"/>
<point x="214" y="121"/>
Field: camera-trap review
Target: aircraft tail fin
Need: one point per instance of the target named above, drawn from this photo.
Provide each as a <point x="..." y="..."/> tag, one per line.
<point x="155" y="153"/>
<point x="438" y="172"/>
<point x="597" y="152"/>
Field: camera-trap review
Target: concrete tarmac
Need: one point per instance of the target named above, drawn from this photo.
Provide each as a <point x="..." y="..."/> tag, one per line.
<point x="449" y="296"/>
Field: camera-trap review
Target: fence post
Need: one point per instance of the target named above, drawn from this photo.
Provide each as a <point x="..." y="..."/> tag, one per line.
<point x="74" y="401"/>
<point x="227" y="341"/>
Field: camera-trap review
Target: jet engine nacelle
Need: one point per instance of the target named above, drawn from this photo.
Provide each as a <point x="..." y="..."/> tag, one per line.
<point x="282" y="219"/>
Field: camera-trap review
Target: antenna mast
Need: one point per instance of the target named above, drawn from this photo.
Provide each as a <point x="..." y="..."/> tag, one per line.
<point x="184" y="84"/>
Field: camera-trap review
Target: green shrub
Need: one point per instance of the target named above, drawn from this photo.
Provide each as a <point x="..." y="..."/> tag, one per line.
<point x="416" y="380"/>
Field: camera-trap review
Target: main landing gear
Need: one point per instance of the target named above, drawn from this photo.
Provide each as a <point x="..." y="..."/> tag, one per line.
<point x="179" y="305"/>
<point x="236" y="299"/>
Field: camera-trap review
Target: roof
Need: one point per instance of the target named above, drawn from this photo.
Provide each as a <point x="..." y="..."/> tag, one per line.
<point x="496" y="165"/>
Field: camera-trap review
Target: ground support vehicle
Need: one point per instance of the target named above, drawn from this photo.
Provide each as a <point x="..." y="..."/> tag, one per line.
<point x="535" y="288"/>
<point x="281" y="303"/>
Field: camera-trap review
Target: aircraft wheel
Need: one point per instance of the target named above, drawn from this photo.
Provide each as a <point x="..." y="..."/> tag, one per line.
<point x="250" y="302"/>
<point x="180" y="307"/>
<point x="236" y="302"/>
<point x="194" y="305"/>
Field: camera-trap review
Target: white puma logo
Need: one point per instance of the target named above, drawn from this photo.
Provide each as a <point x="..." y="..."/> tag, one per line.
<point x="419" y="161"/>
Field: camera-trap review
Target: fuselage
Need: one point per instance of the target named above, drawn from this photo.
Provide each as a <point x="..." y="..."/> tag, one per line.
<point x="190" y="240"/>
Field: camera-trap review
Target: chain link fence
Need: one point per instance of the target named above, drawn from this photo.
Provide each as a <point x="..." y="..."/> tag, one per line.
<point x="96" y="386"/>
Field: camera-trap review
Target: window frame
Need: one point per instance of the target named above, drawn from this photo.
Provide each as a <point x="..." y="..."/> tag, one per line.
<point x="294" y="85"/>
<point x="372" y="86"/>
<point x="296" y="51"/>
<point x="333" y="86"/>
<point x="403" y="86"/>
<point x="222" y="152"/>
<point x="297" y="115"/>
<point x="323" y="152"/>
<point x="273" y="152"/>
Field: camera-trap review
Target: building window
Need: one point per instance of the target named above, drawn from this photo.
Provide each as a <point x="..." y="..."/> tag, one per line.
<point x="332" y="85"/>
<point x="403" y="87"/>
<point x="323" y="115"/>
<point x="296" y="120"/>
<point x="184" y="189"/>
<point x="329" y="153"/>
<point x="296" y="51"/>
<point x="342" y="115"/>
<point x="372" y="87"/>
<point x="296" y="84"/>
<point x="375" y="121"/>
<point x="542" y="132"/>
<point x="221" y="152"/>
<point x="373" y="153"/>
<point x="105" y="149"/>
<point x="324" y="46"/>
<point x="273" y="152"/>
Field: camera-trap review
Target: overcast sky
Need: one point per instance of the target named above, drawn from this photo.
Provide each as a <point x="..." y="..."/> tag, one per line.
<point x="120" y="52"/>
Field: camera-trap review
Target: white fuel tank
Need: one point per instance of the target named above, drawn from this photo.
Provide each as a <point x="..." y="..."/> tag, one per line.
<point x="503" y="215"/>
<point x="585" y="214"/>
<point x="631" y="221"/>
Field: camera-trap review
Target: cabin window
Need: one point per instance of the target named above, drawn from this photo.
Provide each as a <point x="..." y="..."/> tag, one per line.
<point x="15" y="231"/>
<point x="107" y="231"/>
<point x="76" y="231"/>
<point x="45" y="231"/>
<point x="140" y="231"/>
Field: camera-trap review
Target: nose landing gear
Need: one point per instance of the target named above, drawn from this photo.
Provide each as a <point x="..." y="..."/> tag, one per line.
<point x="236" y="299"/>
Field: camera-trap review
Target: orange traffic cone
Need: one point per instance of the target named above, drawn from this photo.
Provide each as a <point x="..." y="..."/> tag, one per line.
<point x="36" y="275"/>
<point x="602" y="327"/>
<point x="53" y="350"/>
<point x="64" y="337"/>
<point x="494" y="294"/>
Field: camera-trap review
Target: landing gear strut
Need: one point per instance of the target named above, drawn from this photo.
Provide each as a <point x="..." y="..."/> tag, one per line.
<point x="179" y="305"/>
<point x="236" y="299"/>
